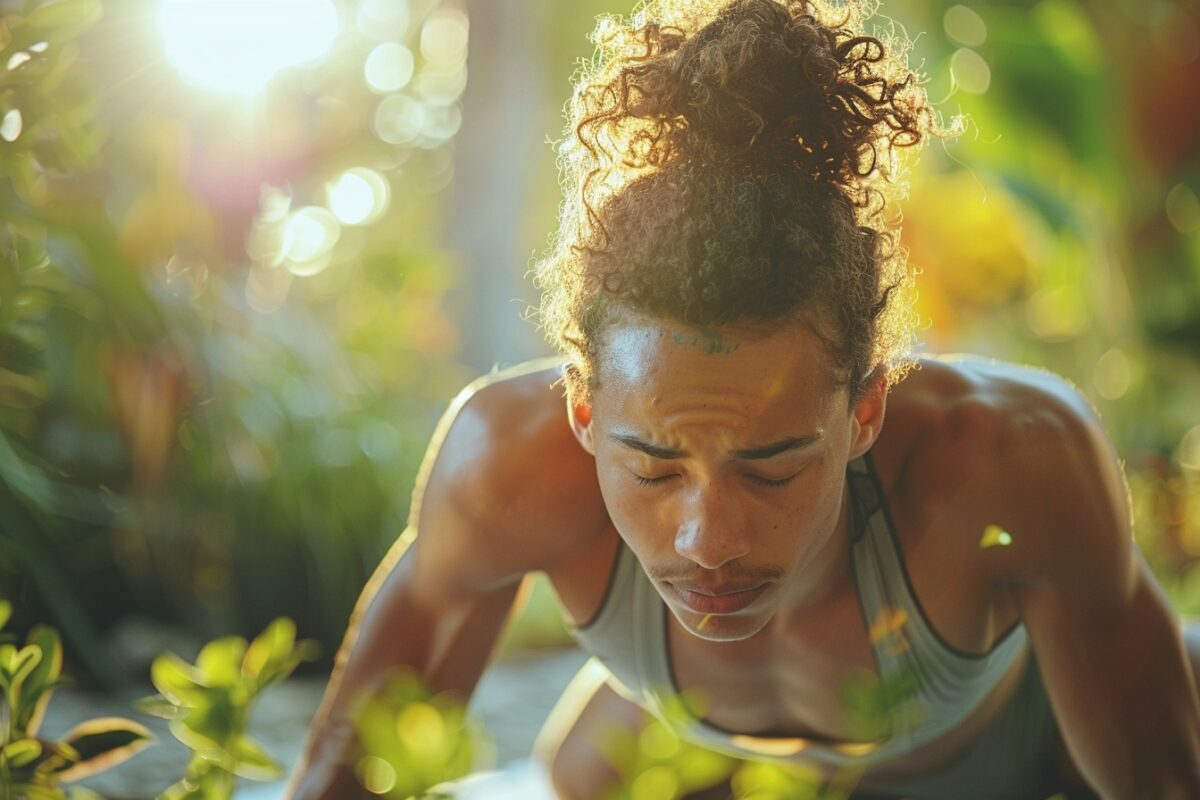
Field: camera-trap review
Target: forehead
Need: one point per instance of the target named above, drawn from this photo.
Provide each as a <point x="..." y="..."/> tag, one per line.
<point x="655" y="362"/>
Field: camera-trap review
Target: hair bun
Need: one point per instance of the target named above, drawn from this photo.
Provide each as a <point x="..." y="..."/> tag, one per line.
<point x="768" y="82"/>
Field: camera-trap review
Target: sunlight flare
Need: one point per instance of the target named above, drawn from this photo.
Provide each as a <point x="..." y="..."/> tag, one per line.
<point x="237" y="46"/>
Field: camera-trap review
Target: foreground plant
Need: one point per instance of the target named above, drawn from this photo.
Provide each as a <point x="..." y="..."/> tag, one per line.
<point x="35" y="768"/>
<point x="209" y="706"/>
<point x="412" y="741"/>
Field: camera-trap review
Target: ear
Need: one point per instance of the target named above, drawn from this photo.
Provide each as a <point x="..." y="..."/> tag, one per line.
<point x="866" y="418"/>
<point x="579" y="414"/>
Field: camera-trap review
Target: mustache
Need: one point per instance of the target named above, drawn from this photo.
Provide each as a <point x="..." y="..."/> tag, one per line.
<point x="731" y="572"/>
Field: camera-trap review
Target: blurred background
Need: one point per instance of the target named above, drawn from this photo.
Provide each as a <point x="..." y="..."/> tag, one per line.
<point x="249" y="250"/>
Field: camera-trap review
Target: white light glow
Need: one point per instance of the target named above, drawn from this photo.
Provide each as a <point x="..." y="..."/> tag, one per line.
<point x="358" y="196"/>
<point x="309" y="236"/>
<point x="389" y="67"/>
<point x="11" y="125"/>
<point x="239" y="45"/>
<point x="444" y="38"/>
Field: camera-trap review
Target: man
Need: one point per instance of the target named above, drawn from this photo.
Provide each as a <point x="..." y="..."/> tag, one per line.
<point x="719" y="504"/>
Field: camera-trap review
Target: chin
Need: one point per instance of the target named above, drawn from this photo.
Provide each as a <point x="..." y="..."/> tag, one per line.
<point x="720" y="627"/>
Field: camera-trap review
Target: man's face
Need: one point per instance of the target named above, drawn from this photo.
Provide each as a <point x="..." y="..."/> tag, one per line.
<point x="721" y="458"/>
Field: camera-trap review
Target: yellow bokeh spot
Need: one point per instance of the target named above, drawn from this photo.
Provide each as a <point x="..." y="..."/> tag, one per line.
<point x="376" y="775"/>
<point x="1056" y="313"/>
<point x="658" y="742"/>
<point x="965" y="26"/>
<point x="1112" y="374"/>
<point x="421" y="728"/>
<point x="1188" y="451"/>
<point x="769" y="747"/>
<point x="656" y="783"/>
<point x="887" y="623"/>
<point x="444" y="38"/>
<point x="971" y="73"/>
<point x="995" y="536"/>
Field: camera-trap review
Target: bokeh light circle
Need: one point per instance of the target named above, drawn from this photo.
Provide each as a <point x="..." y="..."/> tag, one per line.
<point x="399" y="119"/>
<point x="971" y="73"/>
<point x="444" y="38"/>
<point x="308" y="238"/>
<point x="358" y="196"/>
<point x="965" y="26"/>
<point x="388" y="68"/>
<point x="11" y="125"/>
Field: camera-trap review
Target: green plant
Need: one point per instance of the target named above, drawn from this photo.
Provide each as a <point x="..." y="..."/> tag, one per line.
<point x="411" y="740"/>
<point x="209" y="706"/>
<point x="35" y="768"/>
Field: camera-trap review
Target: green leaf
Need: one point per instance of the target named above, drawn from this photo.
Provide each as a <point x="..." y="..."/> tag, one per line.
<point x="253" y="762"/>
<point x="219" y="720"/>
<point x="20" y="666"/>
<point x="177" y="680"/>
<point x="219" y="662"/>
<point x="195" y="740"/>
<point x="159" y="706"/>
<point x="5" y="612"/>
<point x="39" y="686"/>
<point x="20" y="752"/>
<point x="8" y="652"/>
<point x="83" y="793"/>
<point x="269" y="649"/>
<point x="33" y="792"/>
<point x="103" y="743"/>
<point x="185" y="790"/>
<point x="56" y="756"/>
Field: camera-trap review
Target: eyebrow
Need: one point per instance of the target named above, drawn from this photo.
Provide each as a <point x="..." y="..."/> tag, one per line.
<point x="751" y="454"/>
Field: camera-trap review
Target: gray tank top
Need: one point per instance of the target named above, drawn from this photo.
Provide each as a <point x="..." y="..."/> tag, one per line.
<point x="930" y="686"/>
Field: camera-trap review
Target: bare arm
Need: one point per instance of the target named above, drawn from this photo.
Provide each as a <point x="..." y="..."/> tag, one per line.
<point x="1107" y="642"/>
<point x="439" y="601"/>
<point x="448" y="644"/>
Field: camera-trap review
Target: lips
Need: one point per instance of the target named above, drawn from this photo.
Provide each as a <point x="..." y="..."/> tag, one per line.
<point x="717" y="600"/>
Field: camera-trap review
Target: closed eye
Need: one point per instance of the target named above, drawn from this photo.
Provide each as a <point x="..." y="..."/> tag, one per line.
<point x="775" y="482"/>
<point x="644" y="481"/>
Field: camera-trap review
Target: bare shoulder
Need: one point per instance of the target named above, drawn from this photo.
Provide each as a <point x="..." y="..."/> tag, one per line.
<point x="964" y="402"/>
<point x="505" y="488"/>
<point x="982" y="442"/>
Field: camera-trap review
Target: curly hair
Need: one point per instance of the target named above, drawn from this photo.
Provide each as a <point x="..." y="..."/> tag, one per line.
<point x="737" y="166"/>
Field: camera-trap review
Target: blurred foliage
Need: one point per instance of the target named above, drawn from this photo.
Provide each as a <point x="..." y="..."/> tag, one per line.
<point x="656" y="763"/>
<point x="1062" y="229"/>
<point x="214" y="391"/>
<point x="33" y="768"/>
<point x="410" y="741"/>
<point x="209" y="705"/>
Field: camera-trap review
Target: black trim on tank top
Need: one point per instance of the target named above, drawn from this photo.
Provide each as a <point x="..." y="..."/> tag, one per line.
<point x="891" y="528"/>
<point x="608" y="589"/>
<point x="860" y="515"/>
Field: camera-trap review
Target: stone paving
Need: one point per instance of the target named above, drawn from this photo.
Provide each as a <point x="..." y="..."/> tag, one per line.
<point x="513" y="699"/>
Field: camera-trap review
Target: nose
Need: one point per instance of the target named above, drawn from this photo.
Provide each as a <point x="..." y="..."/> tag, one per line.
<point x="712" y="532"/>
